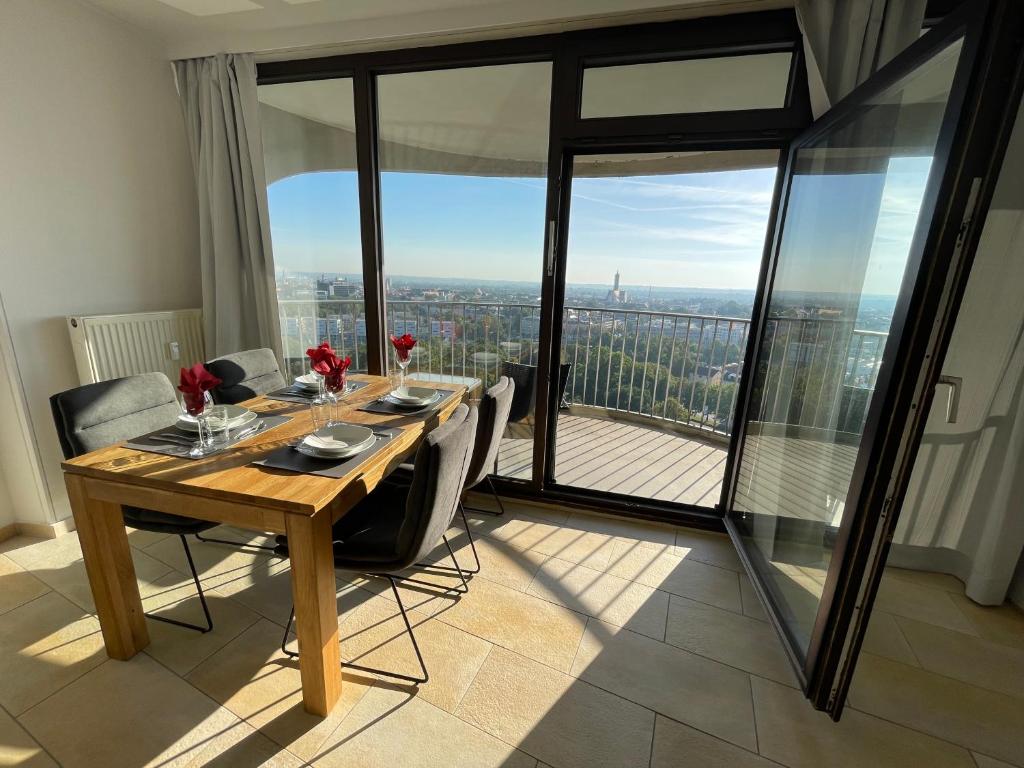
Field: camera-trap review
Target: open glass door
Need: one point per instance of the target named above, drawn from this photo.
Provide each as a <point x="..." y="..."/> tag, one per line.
<point x="855" y="252"/>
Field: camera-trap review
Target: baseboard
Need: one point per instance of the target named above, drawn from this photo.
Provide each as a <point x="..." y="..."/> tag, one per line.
<point x="8" y="531"/>
<point x="44" y="530"/>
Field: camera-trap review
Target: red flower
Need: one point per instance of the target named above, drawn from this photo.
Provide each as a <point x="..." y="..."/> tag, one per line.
<point x="403" y="345"/>
<point x="329" y="365"/>
<point x="195" y="382"/>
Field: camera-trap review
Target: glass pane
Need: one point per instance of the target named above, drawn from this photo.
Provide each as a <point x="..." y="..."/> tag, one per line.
<point x="756" y="81"/>
<point x="463" y="184"/>
<point x="309" y="149"/>
<point x="853" y="210"/>
<point x="664" y="254"/>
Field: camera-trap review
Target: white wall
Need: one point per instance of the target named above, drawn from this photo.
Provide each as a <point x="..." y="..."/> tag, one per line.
<point x="962" y="514"/>
<point x="97" y="205"/>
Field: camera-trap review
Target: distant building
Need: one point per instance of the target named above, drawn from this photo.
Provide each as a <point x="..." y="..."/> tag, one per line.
<point x="615" y="295"/>
<point x="339" y="288"/>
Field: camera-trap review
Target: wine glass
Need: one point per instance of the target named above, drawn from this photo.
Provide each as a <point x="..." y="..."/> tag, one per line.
<point x="196" y="406"/>
<point x="402" y="357"/>
<point x="335" y="385"/>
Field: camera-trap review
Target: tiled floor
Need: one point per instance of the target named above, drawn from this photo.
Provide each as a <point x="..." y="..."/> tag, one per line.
<point x="585" y="642"/>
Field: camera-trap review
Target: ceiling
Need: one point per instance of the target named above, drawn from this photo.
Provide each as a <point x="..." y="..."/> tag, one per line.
<point x="188" y="28"/>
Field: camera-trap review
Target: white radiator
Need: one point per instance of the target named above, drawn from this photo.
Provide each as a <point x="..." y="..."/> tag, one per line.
<point x="111" y="346"/>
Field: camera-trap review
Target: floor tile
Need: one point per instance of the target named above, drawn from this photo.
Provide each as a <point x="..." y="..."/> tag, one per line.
<point x="971" y="659"/>
<point x="984" y="761"/>
<point x="134" y="713"/>
<point x="182" y="649"/>
<point x="609" y="598"/>
<point x="684" y="686"/>
<point x="58" y="563"/>
<point x="679" y="746"/>
<point x="707" y="547"/>
<point x="18" y="542"/>
<point x="242" y="745"/>
<point x="730" y="638"/>
<point x="791" y="732"/>
<point x="499" y="562"/>
<point x="44" y="645"/>
<point x="1001" y="623"/>
<point x="751" y="604"/>
<point x="934" y="606"/>
<point x="252" y="677"/>
<point x="17" y="586"/>
<point x="926" y="579"/>
<point x="977" y="718"/>
<point x="522" y="623"/>
<point x="18" y="748"/>
<point x="269" y="595"/>
<point x="216" y="560"/>
<point x="680" y="576"/>
<point x="572" y="544"/>
<point x="885" y="638"/>
<point x="560" y="720"/>
<point x="142" y="539"/>
<point x="375" y="636"/>
<point x="646" y="533"/>
<point x="391" y="727"/>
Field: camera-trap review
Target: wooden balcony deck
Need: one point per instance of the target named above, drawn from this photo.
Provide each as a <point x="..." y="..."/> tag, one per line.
<point x="626" y="458"/>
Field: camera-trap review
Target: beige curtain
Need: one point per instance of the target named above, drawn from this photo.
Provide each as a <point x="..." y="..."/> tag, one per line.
<point x="218" y="96"/>
<point x="846" y="41"/>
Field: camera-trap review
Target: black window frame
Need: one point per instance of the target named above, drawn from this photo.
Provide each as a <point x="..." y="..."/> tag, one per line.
<point x="570" y="53"/>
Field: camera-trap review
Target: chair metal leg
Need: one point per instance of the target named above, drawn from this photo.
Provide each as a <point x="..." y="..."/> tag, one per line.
<point x="497" y="498"/>
<point x="458" y="569"/>
<point x="360" y="667"/>
<point x="202" y="598"/>
<point x="228" y="542"/>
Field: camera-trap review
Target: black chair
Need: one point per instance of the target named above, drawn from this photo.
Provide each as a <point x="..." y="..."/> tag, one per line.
<point x="395" y="526"/>
<point x="491" y="422"/>
<point x="525" y="379"/>
<point x="245" y="375"/>
<point x="97" y="415"/>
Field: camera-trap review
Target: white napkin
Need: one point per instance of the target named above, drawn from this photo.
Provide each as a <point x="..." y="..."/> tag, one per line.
<point x="326" y="444"/>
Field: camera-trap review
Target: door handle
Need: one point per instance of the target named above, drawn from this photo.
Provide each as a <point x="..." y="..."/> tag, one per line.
<point x="955" y="383"/>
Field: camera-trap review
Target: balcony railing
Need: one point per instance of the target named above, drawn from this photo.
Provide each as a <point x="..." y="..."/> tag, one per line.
<point x="667" y="367"/>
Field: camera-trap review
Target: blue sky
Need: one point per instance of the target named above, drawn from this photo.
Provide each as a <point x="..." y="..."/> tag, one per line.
<point x="694" y="230"/>
<point x="702" y="230"/>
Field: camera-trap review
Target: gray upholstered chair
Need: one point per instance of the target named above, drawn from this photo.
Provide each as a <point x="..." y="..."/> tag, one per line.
<point x="490" y="428"/>
<point x="97" y="415"/>
<point x="245" y="375"/>
<point x="395" y="526"/>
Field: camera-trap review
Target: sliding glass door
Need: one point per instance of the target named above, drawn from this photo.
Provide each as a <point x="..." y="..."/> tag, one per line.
<point x="662" y="263"/>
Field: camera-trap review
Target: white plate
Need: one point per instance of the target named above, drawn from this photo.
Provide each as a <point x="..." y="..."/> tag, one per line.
<point x="414" y="395"/>
<point x="308" y="381"/>
<point x="347" y="440"/>
<point x="413" y="406"/>
<point x="237" y="417"/>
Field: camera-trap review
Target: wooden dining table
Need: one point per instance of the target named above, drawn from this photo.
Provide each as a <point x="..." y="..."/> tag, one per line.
<point x="228" y="488"/>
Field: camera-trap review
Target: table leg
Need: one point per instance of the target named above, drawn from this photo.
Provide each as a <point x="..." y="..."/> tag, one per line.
<point x="108" y="563"/>
<point x="316" y="610"/>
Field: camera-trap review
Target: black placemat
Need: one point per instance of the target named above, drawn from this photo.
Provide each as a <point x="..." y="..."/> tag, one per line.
<point x="290" y="459"/>
<point x="146" y="443"/>
<point x="383" y="406"/>
<point x="293" y="394"/>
